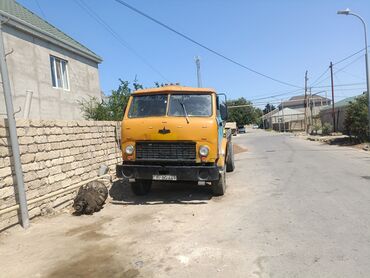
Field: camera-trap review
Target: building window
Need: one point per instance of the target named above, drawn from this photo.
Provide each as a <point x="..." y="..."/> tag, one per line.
<point x="59" y="73"/>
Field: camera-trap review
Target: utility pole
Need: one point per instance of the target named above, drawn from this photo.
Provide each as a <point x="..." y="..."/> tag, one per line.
<point x="199" y="79"/>
<point x="332" y="96"/>
<point x="305" y="101"/>
<point x="310" y="103"/>
<point x="13" y="131"/>
<point x="282" y="111"/>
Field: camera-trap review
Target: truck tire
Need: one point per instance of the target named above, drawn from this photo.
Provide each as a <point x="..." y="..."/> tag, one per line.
<point x="230" y="165"/>
<point x="141" y="187"/>
<point x="219" y="187"/>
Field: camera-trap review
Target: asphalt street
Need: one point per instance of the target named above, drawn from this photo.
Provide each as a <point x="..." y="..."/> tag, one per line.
<point x="293" y="208"/>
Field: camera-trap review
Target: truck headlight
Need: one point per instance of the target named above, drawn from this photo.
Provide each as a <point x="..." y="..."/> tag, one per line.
<point x="129" y="150"/>
<point x="203" y="151"/>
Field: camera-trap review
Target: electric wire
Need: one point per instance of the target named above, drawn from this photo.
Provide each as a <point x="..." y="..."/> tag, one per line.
<point x="317" y="79"/>
<point x="107" y="27"/>
<point x="338" y="62"/>
<point x="277" y="95"/>
<point x="202" y="45"/>
<point x="339" y="70"/>
<point x="350" y="56"/>
<point x="341" y="85"/>
<point x="349" y="64"/>
<point x="41" y="10"/>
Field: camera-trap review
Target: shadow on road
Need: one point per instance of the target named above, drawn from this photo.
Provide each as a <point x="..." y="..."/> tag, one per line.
<point x="161" y="193"/>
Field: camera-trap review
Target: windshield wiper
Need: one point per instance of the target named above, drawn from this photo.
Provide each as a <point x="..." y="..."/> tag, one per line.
<point x="186" y="114"/>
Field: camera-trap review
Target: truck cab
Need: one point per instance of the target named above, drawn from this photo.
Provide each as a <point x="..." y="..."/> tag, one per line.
<point x="175" y="134"/>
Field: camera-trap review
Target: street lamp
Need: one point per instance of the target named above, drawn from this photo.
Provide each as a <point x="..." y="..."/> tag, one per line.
<point x="348" y="12"/>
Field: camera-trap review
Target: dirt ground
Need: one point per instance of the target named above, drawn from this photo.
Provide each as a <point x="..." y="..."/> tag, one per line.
<point x="239" y="149"/>
<point x="131" y="237"/>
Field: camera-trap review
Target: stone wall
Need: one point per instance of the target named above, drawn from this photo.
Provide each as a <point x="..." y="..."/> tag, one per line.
<point x="54" y="155"/>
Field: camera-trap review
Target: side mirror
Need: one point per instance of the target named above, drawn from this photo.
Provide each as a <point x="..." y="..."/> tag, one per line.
<point x="222" y="105"/>
<point x="223" y="111"/>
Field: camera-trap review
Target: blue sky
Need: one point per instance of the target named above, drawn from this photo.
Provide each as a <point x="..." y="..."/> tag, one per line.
<point x="281" y="39"/>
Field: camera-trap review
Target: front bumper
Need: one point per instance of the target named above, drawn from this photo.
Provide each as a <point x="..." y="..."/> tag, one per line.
<point x="183" y="173"/>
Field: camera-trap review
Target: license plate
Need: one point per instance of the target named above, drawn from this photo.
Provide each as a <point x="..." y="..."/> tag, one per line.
<point x="164" y="178"/>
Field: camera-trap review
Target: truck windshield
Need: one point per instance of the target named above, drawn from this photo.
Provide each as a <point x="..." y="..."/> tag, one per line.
<point x="148" y="106"/>
<point x="190" y="105"/>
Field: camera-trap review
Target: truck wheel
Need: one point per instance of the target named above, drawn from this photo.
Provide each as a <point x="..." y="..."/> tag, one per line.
<point x="230" y="165"/>
<point x="141" y="187"/>
<point x="219" y="187"/>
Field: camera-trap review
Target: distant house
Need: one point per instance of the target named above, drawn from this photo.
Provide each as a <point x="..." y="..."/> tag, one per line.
<point x="286" y="119"/>
<point x="326" y="114"/>
<point x="58" y="70"/>
<point x="290" y="114"/>
<point x="299" y="102"/>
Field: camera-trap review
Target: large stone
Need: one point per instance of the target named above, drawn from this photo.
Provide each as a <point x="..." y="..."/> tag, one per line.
<point x="4" y="172"/>
<point x="28" y="158"/>
<point x="6" y="192"/>
<point x="26" y="140"/>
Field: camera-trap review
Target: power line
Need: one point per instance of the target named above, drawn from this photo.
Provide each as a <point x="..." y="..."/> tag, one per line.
<point x="274" y="93"/>
<point x="340" y="85"/>
<point x="103" y="23"/>
<point x="346" y="66"/>
<point x="317" y="79"/>
<point x="278" y="95"/>
<point x="348" y="57"/>
<point x="339" y="70"/>
<point x="338" y="62"/>
<point x="41" y="10"/>
<point x="353" y="75"/>
<point x="202" y="45"/>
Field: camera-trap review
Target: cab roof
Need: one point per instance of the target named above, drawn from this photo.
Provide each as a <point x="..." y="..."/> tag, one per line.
<point x="174" y="88"/>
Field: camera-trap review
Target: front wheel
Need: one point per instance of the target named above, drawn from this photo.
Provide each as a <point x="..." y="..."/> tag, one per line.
<point x="219" y="187"/>
<point x="230" y="165"/>
<point x="141" y="187"/>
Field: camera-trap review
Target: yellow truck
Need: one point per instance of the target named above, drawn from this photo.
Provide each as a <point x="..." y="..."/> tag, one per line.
<point x="175" y="134"/>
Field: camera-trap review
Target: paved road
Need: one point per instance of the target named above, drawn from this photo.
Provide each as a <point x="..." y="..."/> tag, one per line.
<point x="293" y="209"/>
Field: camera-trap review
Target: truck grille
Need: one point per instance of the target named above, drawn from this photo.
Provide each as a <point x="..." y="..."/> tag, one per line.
<point x="182" y="151"/>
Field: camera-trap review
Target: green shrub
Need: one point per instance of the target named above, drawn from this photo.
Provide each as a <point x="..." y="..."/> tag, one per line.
<point x="327" y="129"/>
<point x="355" y="122"/>
<point x="316" y="127"/>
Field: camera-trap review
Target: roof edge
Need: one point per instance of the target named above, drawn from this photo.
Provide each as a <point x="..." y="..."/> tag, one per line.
<point x="15" y="22"/>
<point x="174" y="89"/>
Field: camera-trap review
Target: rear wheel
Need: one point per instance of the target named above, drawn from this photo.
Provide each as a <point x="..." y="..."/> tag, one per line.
<point x="141" y="187"/>
<point x="230" y="165"/>
<point x="219" y="187"/>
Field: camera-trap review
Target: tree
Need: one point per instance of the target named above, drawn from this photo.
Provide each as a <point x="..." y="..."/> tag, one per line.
<point x="269" y="107"/>
<point x="356" y="122"/>
<point x="112" y="108"/>
<point x="243" y="115"/>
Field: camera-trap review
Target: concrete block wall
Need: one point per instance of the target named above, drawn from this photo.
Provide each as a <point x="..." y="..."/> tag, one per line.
<point x="54" y="155"/>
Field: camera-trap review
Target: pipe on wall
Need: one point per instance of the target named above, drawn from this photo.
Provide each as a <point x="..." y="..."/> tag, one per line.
<point x="27" y="104"/>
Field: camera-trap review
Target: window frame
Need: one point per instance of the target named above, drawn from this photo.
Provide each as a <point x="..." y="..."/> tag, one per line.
<point x="132" y="103"/>
<point x="168" y="104"/>
<point x="54" y="77"/>
<point x="190" y="116"/>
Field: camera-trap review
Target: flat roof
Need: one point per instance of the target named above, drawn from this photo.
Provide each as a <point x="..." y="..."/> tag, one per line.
<point x="175" y="88"/>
